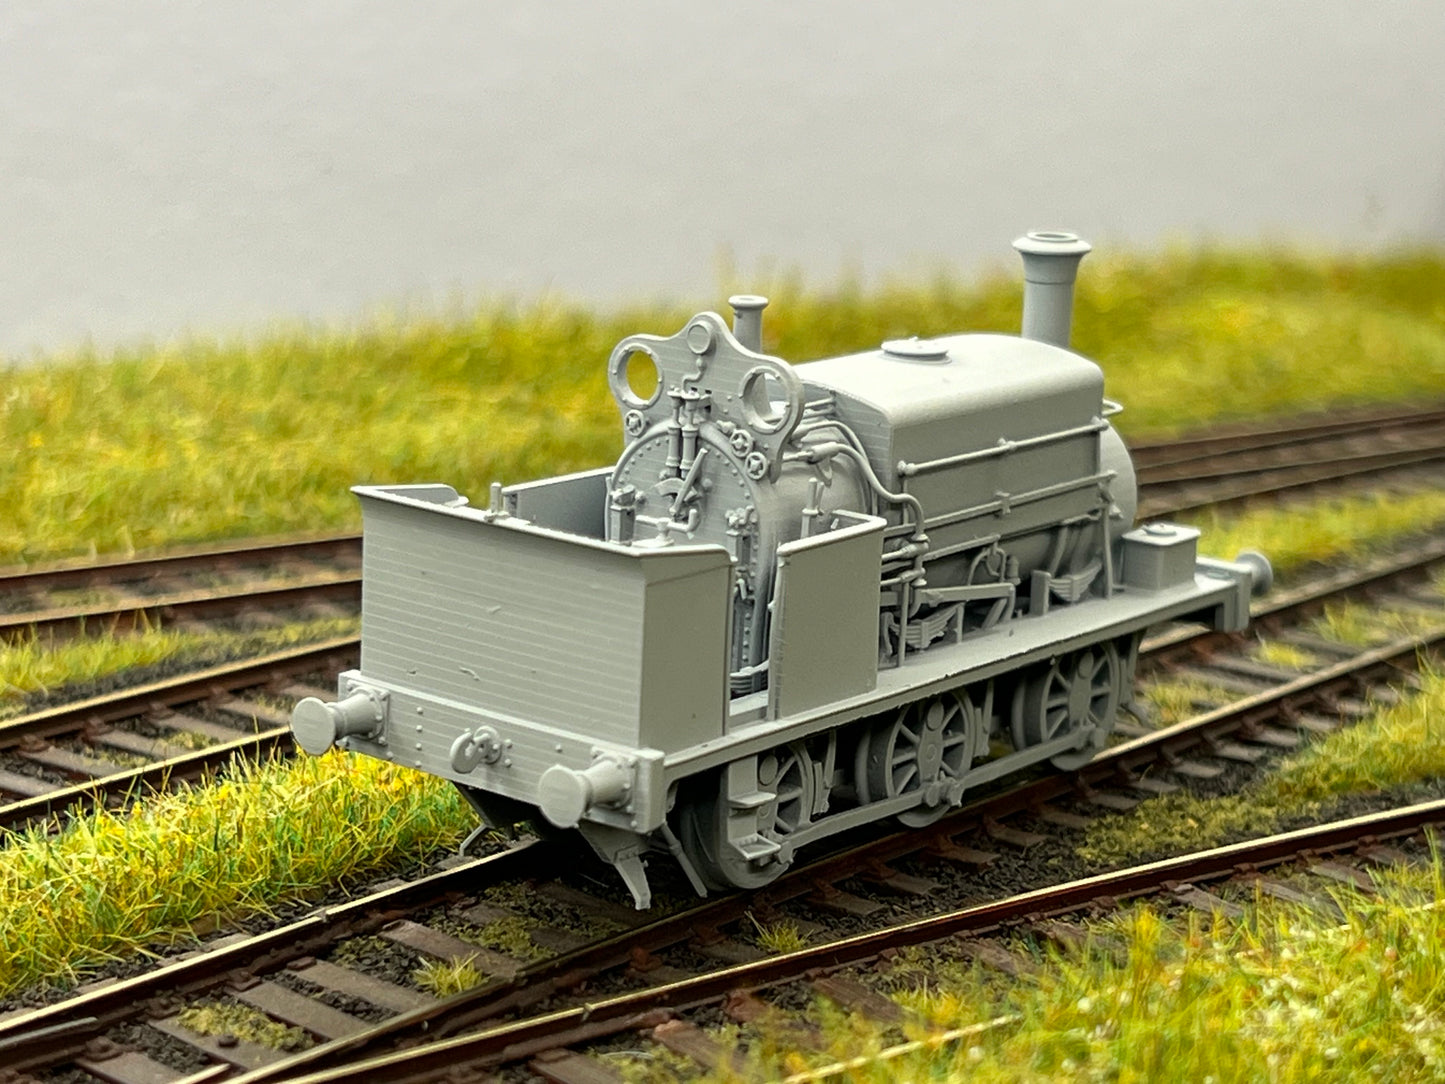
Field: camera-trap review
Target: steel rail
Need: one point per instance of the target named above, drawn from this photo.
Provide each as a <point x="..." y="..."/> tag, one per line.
<point x="1122" y="762"/>
<point x="150" y="778"/>
<point x="344" y="588"/>
<point x="1265" y="612"/>
<point x="125" y="615"/>
<point x="1191" y="472"/>
<point x="552" y="978"/>
<point x="325" y="547"/>
<point x="1109" y="766"/>
<point x="1164" y="506"/>
<point x="1307" y="429"/>
<point x="350" y="1058"/>
<point x="1148" y="456"/>
<point x="183" y="689"/>
<point x="177" y="691"/>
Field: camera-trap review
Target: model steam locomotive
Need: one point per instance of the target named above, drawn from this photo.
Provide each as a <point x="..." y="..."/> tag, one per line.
<point x="803" y="599"/>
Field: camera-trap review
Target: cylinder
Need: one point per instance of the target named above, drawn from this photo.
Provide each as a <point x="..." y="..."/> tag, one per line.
<point x="748" y="320"/>
<point x="1051" y="260"/>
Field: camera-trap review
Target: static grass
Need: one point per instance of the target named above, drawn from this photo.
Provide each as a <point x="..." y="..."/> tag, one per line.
<point x="206" y="440"/>
<point x="777" y="937"/>
<point x="1172" y="701"/>
<point x="510" y="934"/>
<point x="38" y="665"/>
<point x="1398" y="746"/>
<point x="1285" y="656"/>
<point x="244" y="1022"/>
<point x="31" y="665"/>
<point x="445" y="979"/>
<point x="1283" y="995"/>
<point x="112" y="885"/>
<point x="1298" y="534"/>
<point x="1360" y="625"/>
<point x="173" y="844"/>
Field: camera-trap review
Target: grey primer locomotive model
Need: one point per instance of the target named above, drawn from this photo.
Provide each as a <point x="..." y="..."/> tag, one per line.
<point x="803" y="599"/>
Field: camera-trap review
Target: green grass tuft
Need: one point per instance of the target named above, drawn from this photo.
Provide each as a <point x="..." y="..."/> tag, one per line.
<point x="1301" y="533"/>
<point x="1359" y="625"/>
<point x="777" y="937"/>
<point x="1285" y="656"/>
<point x="1176" y="700"/>
<point x="445" y="979"/>
<point x="244" y="1022"/>
<point x="110" y="885"/>
<point x="34" y="665"/>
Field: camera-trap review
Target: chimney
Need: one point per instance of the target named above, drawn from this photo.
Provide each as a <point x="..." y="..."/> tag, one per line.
<point x="1051" y="260"/>
<point x="748" y="320"/>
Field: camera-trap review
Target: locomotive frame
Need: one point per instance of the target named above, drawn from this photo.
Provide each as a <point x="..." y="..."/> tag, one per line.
<point x="804" y="599"/>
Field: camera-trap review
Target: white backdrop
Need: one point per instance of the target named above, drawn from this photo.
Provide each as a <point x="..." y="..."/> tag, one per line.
<point x="168" y="166"/>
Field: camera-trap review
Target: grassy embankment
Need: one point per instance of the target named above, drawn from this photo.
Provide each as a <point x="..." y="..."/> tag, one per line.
<point x="113" y="885"/>
<point x="202" y="441"/>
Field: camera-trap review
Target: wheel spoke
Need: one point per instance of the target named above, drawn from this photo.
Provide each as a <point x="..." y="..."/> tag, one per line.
<point x="901" y="780"/>
<point x="1054" y="721"/>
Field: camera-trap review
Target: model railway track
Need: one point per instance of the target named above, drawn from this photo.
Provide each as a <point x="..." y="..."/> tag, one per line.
<point x="1302" y="431"/>
<point x="77" y="755"/>
<point x="292" y="575"/>
<point x="57" y="761"/>
<point x="287" y="575"/>
<point x="658" y="1014"/>
<point x="95" y="1030"/>
<point x="1185" y="475"/>
<point x="1161" y="499"/>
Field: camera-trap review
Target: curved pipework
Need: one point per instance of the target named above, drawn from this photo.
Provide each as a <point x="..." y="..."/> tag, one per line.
<point x="1124" y="489"/>
<point x="827" y="451"/>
